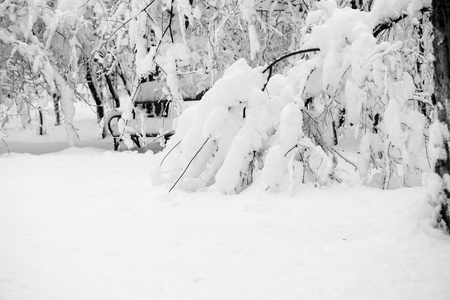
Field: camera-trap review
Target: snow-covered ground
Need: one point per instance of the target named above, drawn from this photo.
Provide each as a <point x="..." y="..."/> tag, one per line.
<point x="21" y="140"/>
<point x="86" y="223"/>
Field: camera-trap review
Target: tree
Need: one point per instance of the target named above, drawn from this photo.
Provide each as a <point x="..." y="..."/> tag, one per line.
<point x="364" y="65"/>
<point x="361" y="69"/>
<point x="441" y="128"/>
<point x="40" y="37"/>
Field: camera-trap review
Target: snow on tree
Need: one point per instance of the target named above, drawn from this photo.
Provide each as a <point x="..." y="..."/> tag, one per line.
<point x="255" y="132"/>
<point x="43" y="39"/>
<point x="364" y="65"/>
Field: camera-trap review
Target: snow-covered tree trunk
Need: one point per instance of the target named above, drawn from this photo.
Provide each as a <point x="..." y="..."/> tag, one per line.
<point x="68" y="109"/>
<point x="440" y="137"/>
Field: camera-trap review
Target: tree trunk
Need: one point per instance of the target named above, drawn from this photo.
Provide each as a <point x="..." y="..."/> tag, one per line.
<point x="441" y="45"/>
<point x="112" y="90"/>
<point x="122" y="76"/>
<point x="56" y="98"/>
<point x="94" y="93"/>
<point x="41" y="122"/>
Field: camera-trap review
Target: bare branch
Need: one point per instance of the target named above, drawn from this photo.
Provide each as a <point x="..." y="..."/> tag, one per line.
<point x="189" y="164"/>
<point x="270" y="67"/>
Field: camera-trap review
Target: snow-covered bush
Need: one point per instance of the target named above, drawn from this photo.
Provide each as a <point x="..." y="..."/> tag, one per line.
<point x="371" y="81"/>
<point x="42" y="52"/>
<point x="370" y="72"/>
<point x="229" y="129"/>
<point x="224" y="140"/>
<point x="284" y="134"/>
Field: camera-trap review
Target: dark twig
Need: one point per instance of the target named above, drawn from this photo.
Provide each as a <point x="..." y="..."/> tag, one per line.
<point x="161" y="136"/>
<point x="343" y="157"/>
<point x="162" y="161"/>
<point x="387" y="25"/>
<point x="170" y="23"/>
<point x="127" y="21"/>
<point x="120" y="27"/>
<point x="290" y="150"/>
<point x="289" y="55"/>
<point x="168" y="27"/>
<point x="192" y="159"/>
<point x="270" y="67"/>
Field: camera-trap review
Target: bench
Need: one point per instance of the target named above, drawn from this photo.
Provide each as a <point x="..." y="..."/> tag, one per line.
<point x="153" y="109"/>
<point x="156" y="117"/>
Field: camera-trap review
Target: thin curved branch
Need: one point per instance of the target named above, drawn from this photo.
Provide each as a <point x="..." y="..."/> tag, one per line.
<point x="162" y="161"/>
<point x="123" y="24"/>
<point x="270" y="67"/>
<point x="189" y="164"/>
<point x="289" y="55"/>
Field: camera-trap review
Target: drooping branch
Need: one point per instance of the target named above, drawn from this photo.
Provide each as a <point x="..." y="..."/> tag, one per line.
<point x="188" y="164"/>
<point x="270" y="67"/>
<point x="127" y="21"/>
<point x="389" y="23"/>
<point x="168" y="27"/>
<point x="162" y="161"/>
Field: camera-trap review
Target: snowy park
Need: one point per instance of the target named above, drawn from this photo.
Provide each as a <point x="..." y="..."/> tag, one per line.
<point x="224" y="149"/>
<point x="87" y="223"/>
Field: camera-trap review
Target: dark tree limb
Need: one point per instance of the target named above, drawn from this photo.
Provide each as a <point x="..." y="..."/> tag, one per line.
<point x="127" y="21"/>
<point x="122" y="75"/>
<point x="41" y="121"/>
<point x="56" y="99"/>
<point x="94" y="93"/>
<point x="170" y="23"/>
<point x="270" y="67"/>
<point x="112" y="90"/>
<point x="389" y="23"/>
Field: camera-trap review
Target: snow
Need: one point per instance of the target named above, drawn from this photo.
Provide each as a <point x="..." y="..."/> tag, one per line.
<point x="229" y="139"/>
<point x="438" y="135"/>
<point x="26" y="140"/>
<point x="197" y="13"/>
<point x="88" y="224"/>
<point x="254" y="43"/>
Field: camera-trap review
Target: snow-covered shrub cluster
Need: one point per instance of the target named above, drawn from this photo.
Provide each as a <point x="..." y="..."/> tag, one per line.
<point x="371" y="72"/>
<point x="43" y="51"/>
<point x="228" y="128"/>
<point x="238" y="132"/>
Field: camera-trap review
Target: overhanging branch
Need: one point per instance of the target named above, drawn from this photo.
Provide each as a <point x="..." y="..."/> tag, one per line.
<point x="389" y="23"/>
<point x="270" y="67"/>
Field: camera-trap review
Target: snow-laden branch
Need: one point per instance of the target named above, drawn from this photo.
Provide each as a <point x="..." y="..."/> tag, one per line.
<point x="390" y="22"/>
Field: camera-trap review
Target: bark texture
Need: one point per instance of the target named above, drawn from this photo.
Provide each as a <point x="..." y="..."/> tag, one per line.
<point x="93" y="90"/>
<point x="56" y="100"/>
<point x="112" y="89"/>
<point x="441" y="45"/>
